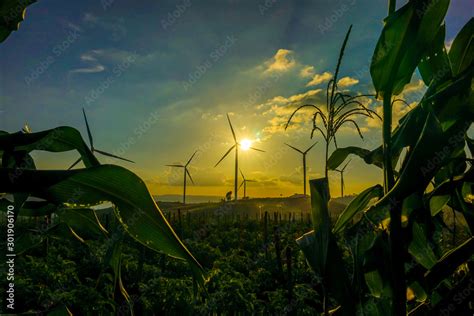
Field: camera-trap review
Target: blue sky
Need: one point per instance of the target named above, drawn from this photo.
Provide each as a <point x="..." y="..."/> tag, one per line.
<point x="157" y="77"/>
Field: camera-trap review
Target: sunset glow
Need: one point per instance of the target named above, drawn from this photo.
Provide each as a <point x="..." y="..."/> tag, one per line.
<point x="245" y="144"/>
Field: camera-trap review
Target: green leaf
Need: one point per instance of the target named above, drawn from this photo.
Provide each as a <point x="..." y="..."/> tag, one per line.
<point x="83" y="221"/>
<point x="396" y="57"/>
<point x="340" y="155"/>
<point x="432" y="150"/>
<point x="373" y="157"/>
<point x="434" y="65"/>
<point x="358" y="204"/>
<point x="374" y="283"/>
<point x="321" y="250"/>
<point x="437" y="203"/>
<point x="461" y="53"/>
<point x="335" y="279"/>
<point x="321" y="222"/>
<point x="12" y="13"/>
<point x="59" y="139"/>
<point x="446" y="266"/>
<point x="420" y="249"/>
<point x="134" y="206"/>
<point x="113" y="260"/>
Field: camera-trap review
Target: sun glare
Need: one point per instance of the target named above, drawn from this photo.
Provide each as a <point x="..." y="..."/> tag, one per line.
<point x="245" y="144"/>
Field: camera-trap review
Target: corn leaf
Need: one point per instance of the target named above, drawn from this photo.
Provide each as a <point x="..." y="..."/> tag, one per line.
<point x="395" y="57"/>
<point x="420" y="249"/>
<point x="461" y="53"/>
<point x="12" y="13"/>
<point x="434" y="65"/>
<point x="357" y="205"/>
<point x="134" y="206"/>
<point x="59" y="139"/>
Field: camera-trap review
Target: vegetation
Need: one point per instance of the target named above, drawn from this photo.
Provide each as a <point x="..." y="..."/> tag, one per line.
<point x="433" y="175"/>
<point x="392" y="250"/>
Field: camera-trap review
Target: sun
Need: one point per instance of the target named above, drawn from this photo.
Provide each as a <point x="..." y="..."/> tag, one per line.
<point x="245" y="144"/>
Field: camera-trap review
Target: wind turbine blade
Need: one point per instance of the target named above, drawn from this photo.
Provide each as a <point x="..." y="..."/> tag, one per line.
<point x="189" y="175"/>
<point x="242" y="173"/>
<point x="179" y="166"/>
<point x="253" y="148"/>
<point x="89" y="134"/>
<point x="113" y="156"/>
<point x="231" y="128"/>
<point x="251" y="180"/>
<point x="191" y="158"/>
<point x="293" y="148"/>
<point x="310" y="147"/>
<point x="343" y="168"/>
<point x="75" y="163"/>
<point x="241" y="185"/>
<point x="225" y="155"/>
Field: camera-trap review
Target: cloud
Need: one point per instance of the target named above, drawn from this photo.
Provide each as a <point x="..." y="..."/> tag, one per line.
<point x="399" y="109"/>
<point x="319" y="78"/>
<point x="90" y="70"/>
<point x="279" y="109"/>
<point x="96" y="58"/>
<point x="211" y="116"/>
<point x="89" y="57"/>
<point x="307" y="72"/>
<point x="347" y="82"/>
<point x="281" y="62"/>
<point x="414" y="89"/>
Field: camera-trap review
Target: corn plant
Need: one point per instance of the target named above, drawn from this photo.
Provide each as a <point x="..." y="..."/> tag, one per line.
<point x="71" y="194"/>
<point x="341" y="108"/>
<point x="392" y="233"/>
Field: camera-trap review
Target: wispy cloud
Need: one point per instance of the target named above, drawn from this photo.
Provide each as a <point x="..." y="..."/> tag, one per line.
<point x="90" y="58"/>
<point x="89" y="70"/>
<point x="319" y="78"/>
<point x="347" y="82"/>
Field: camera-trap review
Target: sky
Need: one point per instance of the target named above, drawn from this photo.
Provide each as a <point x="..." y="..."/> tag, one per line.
<point x="156" y="79"/>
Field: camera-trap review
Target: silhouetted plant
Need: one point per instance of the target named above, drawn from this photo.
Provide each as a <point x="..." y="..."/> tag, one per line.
<point x="341" y="108"/>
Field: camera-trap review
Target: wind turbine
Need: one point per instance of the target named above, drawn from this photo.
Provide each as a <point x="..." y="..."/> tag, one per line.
<point x="93" y="149"/>
<point x="244" y="183"/>
<point x="186" y="174"/>
<point x="304" y="162"/>
<point x="245" y="144"/>
<point x="341" y="171"/>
